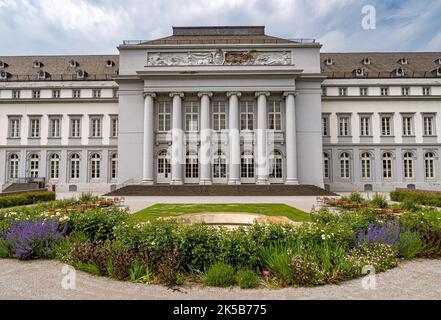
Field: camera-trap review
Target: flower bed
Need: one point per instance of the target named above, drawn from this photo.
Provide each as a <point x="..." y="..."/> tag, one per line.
<point x="418" y="197"/>
<point x="26" y="199"/>
<point x="102" y="240"/>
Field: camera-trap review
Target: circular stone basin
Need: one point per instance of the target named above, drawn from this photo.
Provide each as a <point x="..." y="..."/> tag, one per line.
<point x="232" y="220"/>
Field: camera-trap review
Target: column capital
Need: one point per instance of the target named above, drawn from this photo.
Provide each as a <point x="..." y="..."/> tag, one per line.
<point x="180" y="94"/>
<point x="289" y="93"/>
<point x="262" y="93"/>
<point x="234" y="93"/>
<point x="149" y="94"/>
<point x="205" y="93"/>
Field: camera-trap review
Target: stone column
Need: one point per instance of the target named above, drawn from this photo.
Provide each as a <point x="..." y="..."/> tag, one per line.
<point x="234" y="138"/>
<point x="149" y="136"/>
<point x="261" y="138"/>
<point x="291" y="138"/>
<point x="205" y="149"/>
<point x="178" y="147"/>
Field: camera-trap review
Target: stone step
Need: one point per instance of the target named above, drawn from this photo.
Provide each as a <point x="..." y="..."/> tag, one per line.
<point x="22" y="187"/>
<point x="221" y="190"/>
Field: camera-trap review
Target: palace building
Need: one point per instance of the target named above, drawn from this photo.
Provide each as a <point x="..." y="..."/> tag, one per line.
<point x="222" y="106"/>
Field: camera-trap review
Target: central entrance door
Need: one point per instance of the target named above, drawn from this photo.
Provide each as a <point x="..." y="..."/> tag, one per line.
<point x="247" y="168"/>
<point x="163" y="168"/>
<point x="219" y="168"/>
<point x="192" y="168"/>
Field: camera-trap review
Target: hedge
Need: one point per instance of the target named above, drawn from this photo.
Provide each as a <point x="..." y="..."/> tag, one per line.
<point x="26" y="199"/>
<point x="421" y="198"/>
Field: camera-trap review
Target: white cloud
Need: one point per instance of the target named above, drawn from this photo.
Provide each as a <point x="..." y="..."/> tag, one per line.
<point x="333" y="41"/>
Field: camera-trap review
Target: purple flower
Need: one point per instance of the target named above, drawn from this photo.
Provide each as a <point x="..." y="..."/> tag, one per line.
<point x="388" y="233"/>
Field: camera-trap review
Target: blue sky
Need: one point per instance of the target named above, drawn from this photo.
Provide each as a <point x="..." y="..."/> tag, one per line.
<point x="31" y="27"/>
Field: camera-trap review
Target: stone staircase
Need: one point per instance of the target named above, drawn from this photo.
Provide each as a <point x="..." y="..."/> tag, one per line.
<point x="221" y="190"/>
<point x="19" y="187"/>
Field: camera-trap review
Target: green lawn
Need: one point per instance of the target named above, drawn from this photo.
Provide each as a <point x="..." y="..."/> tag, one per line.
<point x="174" y="210"/>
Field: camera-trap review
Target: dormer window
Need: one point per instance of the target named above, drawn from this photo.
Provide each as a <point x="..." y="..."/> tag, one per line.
<point x="3" y="64"/>
<point x="4" y="75"/>
<point x="109" y="63"/>
<point x="399" y="72"/>
<point x="329" y="62"/>
<point x="366" y="61"/>
<point x="438" y="72"/>
<point x="438" y="61"/>
<point x="403" y="61"/>
<point x="41" y="75"/>
<point x="359" y="72"/>
<point x="81" y="74"/>
<point x="36" y="64"/>
<point x="73" y="64"/>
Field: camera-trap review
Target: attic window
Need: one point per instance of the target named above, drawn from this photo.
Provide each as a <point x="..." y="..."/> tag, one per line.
<point x="109" y="63"/>
<point x="403" y="60"/>
<point x="36" y="64"/>
<point x="438" y="61"/>
<point x="73" y="64"/>
<point x="81" y="74"/>
<point x="400" y="72"/>
<point x="41" y="75"/>
<point x="366" y="61"/>
<point x="329" y="62"/>
<point x="438" y="72"/>
<point x="359" y="72"/>
<point x="2" y="64"/>
<point x="4" y="75"/>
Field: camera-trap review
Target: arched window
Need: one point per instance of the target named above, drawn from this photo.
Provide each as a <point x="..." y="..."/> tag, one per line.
<point x="408" y="165"/>
<point x="247" y="165"/>
<point x="75" y="166"/>
<point x="387" y="165"/>
<point x="366" y="165"/>
<point x="219" y="165"/>
<point x="114" y="166"/>
<point x="191" y="165"/>
<point x="345" y="169"/>
<point x="276" y="165"/>
<point x="95" y="166"/>
<point x="164" y="166"/>
<point x="34" y="164"/>
<point x="326" y="166"/>
<point x="54" y="167"/>
<point x="14" y="161"/>
<point x="429" y="165"/>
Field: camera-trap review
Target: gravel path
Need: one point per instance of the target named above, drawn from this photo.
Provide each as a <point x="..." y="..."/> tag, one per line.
<point x="419" y="279"/>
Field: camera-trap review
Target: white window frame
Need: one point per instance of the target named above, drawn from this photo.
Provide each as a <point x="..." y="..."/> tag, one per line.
<point x="429" y="125"/>
<point x="247" y="118"/>
<point x="56" y="94"/>
<point x="326" y="166"/>
<point x="219" y="115"/>
<point x="95" y="166"/>
<point x="325" y="125"/>
<point x="14" y="128"/>
<point x="16" y="94"/>
<point x="387" y="164"/>
<point x="384" y="91"/>
<point x="386" y="125"/>
<point x="408" y="166"/>
<point x="36" y="94"/>
<point x="114" y="166"/>
<point x="344" y="125"/>
<point x="364" y="91"/>
<point x="75" y="167"/>
<point x="405" y="91"/>
<point x="191" y="116"/>
<point x="96" y="93"/>
<point x="365" y="125"/>
<point x="164" y="116"/>
<point x="34" y="165"/>
<point x="75" y="127"/>
<point x="275" y="115"/>
<point x="96" y="127"/>
<point x="407" y="125"/>
<point x="55" y="127"/>
<point x="114" y="126"/>
<point x="366" y="166"/>
<point x="54" y="167"/>
<point x="76" y="93"/>
<point x="427" y="91"/>
<point x="13" y="166"/>
<point x="342" y="92"/>
<point x="345" y="165"/>
<point x="430" y="165"/>
<point x="35" y="127"/>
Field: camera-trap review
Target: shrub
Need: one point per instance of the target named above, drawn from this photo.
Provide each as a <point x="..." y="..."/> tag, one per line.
<point x="379" y="201"/>
<point x="26" y="199"/>
<point x="87" y="267"/>
<point x="421" y="198"/>
<point x="247" y="279"/>
<point x="138" y="273"/>
<point x="324" y="215"/>
<point x="277" y="259"/>
<point x="305" y="272"/>
<point x="63" y="251"/>
<point x="220" y="275"/>
<point x="169" y="269"/>
<point x="33" y="239"/>
<point x="379" y="255"/>
<point x="354" y="197"/>
<point x="92" y="253"/>
<point x="410" y="245"/>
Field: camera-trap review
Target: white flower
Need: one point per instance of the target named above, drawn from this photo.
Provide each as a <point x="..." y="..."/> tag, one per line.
<point x="323" y="237"/>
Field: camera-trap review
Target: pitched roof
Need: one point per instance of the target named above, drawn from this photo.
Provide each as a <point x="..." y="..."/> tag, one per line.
<point x="96" y="67"/>
<point x="382" y="65"/>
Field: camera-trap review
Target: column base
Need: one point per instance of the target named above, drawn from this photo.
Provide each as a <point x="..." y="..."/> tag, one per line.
<point x="205" y="183"/>
<point x="292" y="182"/>
<point x="234" y="182"/>
<point x="147" y="182"/>
<point x="176" y="183"/>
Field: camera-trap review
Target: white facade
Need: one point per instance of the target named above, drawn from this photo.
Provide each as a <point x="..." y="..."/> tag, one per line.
<point x="225" y="105"/>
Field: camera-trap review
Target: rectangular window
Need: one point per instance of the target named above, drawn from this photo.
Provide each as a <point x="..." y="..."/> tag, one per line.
<point x="363" y="91"/>
<point x="36" y="94"/>
<point x="96" y="93"/>
<point x="343" y="126"/>
<point x="384" y="91"/>
<point x="192" y="117"/>
<point x="219" y="116"/>
<point x="342" y="91"/>
<point x="55" y="128"/>
<point x="164" y="116"/>
<point x="428" y="126"/>
<point x="95" y="127"/>
<point x="56" y="94"/>
<point x="365" y="124"/>
<point x="386" y="125"/>
<point x="247" y="115"/>
<point x="274" y="116"/>
<point x="114" y="127"/>
<point x="76" y="93"/>
<point x="426" y="91"/>
<point x="407" y="126"/>
<point x="14" y="128"/>
<point x="35" y="128"/>
<point x="75" y="127"/>
<point x="15" y="94"/>
<point x="325" y="126"/>
<point x="405" y="91"/>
